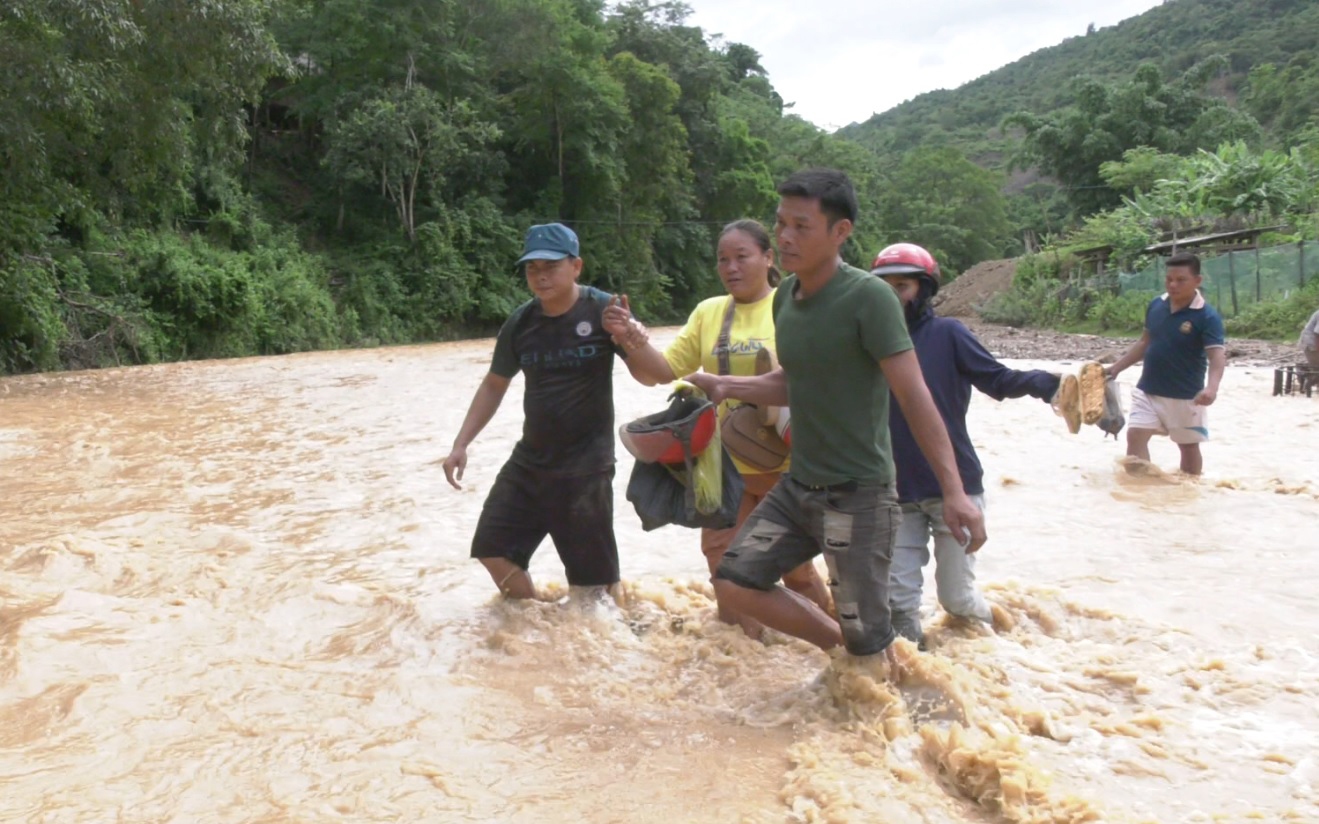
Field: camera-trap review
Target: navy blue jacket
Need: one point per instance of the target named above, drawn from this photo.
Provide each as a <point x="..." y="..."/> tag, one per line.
<point x="953" y="360"/>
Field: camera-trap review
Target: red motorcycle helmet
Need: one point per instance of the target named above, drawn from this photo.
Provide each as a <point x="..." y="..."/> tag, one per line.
<point x="910" y="260"/>
<point x="680" y="432"/>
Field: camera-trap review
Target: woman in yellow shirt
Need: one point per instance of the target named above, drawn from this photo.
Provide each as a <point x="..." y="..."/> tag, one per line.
<point x="746" y="267"/>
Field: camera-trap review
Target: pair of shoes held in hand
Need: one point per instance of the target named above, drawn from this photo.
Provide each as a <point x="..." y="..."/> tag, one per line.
<point x="1080" y="398"/>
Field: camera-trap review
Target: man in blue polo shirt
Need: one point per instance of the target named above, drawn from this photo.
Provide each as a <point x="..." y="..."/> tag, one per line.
<point x="1183" y="336"/>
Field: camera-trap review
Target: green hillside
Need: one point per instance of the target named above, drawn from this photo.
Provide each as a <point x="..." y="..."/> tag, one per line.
<point x="1197" y="116"/>
<point x="1175" y="36"/>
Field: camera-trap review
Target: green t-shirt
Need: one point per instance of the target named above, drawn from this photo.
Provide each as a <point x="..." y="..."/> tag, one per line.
<point x="830" y="345"/>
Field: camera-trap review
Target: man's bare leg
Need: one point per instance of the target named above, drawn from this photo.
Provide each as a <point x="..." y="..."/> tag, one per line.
<point x="1138" y="444"/>
<point x="750" y="626"/>
<point x="1192" y="460"/>
<point x="513" y="581"/>
<point x="783" y="610"/>
<point x="805" y="580"/>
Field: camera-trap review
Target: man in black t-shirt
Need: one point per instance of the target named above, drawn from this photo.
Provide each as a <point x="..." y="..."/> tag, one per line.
<point x="559" y="479"/>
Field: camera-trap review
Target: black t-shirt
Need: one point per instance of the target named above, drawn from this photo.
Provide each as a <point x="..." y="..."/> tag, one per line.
<point x="569" y="399"/>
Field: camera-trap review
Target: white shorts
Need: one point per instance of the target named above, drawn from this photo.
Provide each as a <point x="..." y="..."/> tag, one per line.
<point x="1182" y="420"/>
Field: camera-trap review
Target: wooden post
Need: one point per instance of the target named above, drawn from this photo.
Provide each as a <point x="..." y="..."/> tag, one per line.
<point x="1259" y="290"/>
<point x="1232" y="281"/>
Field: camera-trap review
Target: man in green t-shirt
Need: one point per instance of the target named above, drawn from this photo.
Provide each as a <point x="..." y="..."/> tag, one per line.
<point x="842" y="345"/>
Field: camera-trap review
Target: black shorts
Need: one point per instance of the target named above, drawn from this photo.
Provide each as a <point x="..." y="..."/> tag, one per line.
<point x="525" y="505"/>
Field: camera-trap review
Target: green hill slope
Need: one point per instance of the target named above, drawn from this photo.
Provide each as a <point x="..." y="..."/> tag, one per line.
<point x="1175" y="35"/>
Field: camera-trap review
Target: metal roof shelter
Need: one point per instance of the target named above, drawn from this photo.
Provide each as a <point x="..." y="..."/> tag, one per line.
<point x="1237" y="240"/>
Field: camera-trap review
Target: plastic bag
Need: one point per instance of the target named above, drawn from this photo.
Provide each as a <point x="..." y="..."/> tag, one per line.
<point x="707" y="476"/>
<point x="1113" y="419"/>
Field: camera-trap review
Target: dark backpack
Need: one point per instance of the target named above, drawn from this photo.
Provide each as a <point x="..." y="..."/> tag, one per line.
<point x="663" y="494"/>
<point x="661" y="497"/>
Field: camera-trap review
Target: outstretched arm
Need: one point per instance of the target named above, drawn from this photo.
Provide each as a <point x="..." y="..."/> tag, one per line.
<point x="647" y="364"/>
<point x="1133" y="355"/>
<point x="769" y="389"/>
<point x="484" y="405"/>
<point x="963" y="517"/>
<point x="996" y="380"/>
<point x="644" y="361"/>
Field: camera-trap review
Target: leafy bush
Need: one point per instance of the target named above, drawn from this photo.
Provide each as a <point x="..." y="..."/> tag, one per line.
<point x="29" y="316"/>
<point x="1119" y="313"/>
<point x="208" y="300"/>
<point x="1050" y="303"/>
<point x="1047" y="265"/>
<point x="145" y="296"/>
<point x="1040" y="303"/>
<point x="1279" y="319"/>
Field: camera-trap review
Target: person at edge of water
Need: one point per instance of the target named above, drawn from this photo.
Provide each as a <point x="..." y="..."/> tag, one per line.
<point x="745" y="263"/>
<point x="1183" y="336"/>
<point x="559" y="479"/>
<point x="1309" y="342"/>
<point x="953" y="361"/>
<point x="842" y="344"/>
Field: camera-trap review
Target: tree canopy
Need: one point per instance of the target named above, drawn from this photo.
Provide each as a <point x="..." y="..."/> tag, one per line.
<point x="194" y="178"/>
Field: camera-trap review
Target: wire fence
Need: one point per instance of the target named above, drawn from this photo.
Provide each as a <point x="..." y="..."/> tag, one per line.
<point x="1235" y="280"/>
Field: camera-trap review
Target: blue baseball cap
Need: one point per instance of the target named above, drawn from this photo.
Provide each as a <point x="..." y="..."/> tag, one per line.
<point x="549" y="241"/>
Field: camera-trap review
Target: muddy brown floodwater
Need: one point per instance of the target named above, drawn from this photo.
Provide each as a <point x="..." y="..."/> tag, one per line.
<point x="239" y="591"/>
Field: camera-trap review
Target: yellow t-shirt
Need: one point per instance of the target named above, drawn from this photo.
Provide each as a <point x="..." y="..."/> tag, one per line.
<point x="753" y="330"/>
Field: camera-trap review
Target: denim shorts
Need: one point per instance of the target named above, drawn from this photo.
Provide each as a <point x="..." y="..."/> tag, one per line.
<point x="853" y="525"/>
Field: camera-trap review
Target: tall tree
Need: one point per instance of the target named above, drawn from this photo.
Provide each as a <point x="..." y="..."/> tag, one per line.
<point x="947" y="204"/>
<point x="564" y="115"/>
<point x="88" y="125"/>
<point x="1286" y="99"/>
<point x="1106" y="121"/>
<point x="405" y="141"/>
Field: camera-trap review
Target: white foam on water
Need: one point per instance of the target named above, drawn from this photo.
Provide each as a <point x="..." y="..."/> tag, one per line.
<point x="240" y="590"/>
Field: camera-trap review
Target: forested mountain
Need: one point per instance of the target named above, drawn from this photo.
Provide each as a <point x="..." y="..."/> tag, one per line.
<point x="201" y="178"/>
<point x="1186" y="76"/>
<point x="1175" y="37"/>
<point x="193" y="178"/>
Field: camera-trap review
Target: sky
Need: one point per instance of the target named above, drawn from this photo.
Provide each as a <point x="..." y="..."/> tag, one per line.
<point x="840" y="61"/>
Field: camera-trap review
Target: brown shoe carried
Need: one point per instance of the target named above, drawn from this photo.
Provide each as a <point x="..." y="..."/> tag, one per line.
<point x="1067" y="402"/>
<point x="1092" y="392"/>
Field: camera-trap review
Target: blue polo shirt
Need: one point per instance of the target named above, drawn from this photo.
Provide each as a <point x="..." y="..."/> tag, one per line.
<point x="1175" y="361"/>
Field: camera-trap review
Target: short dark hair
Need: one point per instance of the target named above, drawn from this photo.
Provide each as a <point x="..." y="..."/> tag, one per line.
<point x="829" y="186"/>
<point x="1186" y="260"/>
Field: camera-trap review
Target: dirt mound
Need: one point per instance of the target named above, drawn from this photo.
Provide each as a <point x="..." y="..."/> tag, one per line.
<point x="963" y="297"/>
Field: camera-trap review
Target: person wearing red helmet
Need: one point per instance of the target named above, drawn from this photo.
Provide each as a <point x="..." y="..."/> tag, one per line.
<point x="953" y="361"/>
